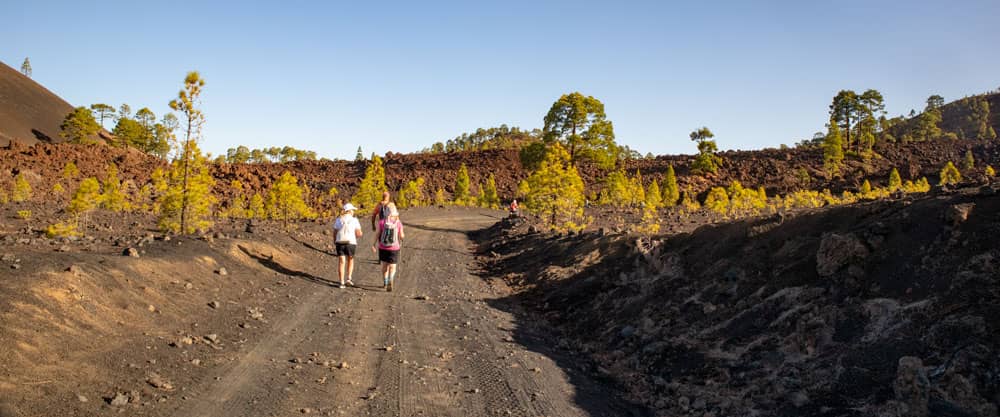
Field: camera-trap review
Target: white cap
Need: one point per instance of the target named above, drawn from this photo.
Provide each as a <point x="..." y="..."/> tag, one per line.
<point x="349" y="207"/>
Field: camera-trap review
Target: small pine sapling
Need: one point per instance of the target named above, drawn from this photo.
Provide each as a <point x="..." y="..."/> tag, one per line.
<point x="671" y="191"/>
<point x="462" y="195"/>
<point x="113" y="198"/>
<point x="654" y="199"/>
<point x="969" y="162"/>
<point x="22" y="189"/>
<point x="895" y="182"/>
<point x="70" y="171"/>
<point x="439" y="198"/>
<point x="950" y="175"/>
<point x="717" y="200"/>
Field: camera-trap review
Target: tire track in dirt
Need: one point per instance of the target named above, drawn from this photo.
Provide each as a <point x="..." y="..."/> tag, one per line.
<point x="250" y="383"/>
<point x="432" y="347"/>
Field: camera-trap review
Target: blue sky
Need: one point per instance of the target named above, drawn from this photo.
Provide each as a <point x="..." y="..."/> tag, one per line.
<point x="398" y="76"/>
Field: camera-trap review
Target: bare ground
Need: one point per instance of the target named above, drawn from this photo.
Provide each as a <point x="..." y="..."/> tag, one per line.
<point x="89" y="332"/>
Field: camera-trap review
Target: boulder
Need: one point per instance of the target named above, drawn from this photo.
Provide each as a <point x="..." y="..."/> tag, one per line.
<point x="837" y="251"/>
<point x="912" y="388"/>
<point x="959" y="213"/>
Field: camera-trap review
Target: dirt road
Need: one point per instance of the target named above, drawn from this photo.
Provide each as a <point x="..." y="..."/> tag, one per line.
<point x="433" y="347"/>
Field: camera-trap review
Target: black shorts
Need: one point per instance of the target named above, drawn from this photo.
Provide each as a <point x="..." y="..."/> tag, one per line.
<point x="388" y="256"/>
<point x="345" y="249"/>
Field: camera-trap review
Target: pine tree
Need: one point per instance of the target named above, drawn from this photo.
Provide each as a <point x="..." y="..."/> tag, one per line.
<point x="616" y="191"/>
<point x="70" y="171"/>
<point x="744" y="201"/>
<point x="866" y="189"/>
<point x="717" y="200"/>
<point x="102" y="111"/>
<point x="950" y="175"/>
<point x="556" y="191"/>
<point x="26" y="67"/>
<point x="189" y="162"/>
<point x="372" y="185"/>
<point x="79" y="126"/>
<point x="650" y="223"/>
<point x="833" y="149"/>
<point x="653" y="197"/>
<point x="67" y="228"/>
<point x="113" y="198"/>
<point x="439" y="198"/>
<point x="360" y="156"/>
<point x="969" y="162"/>
<point x="186" y="204"/>
<point x="489" y="197"/>
<point x="688" y="201"/>
<point x="285" y="200"/>
<point x="256" y="208"/>
<point x="86" y="198"/>
<point x="238" y="205"/>
<point x="143" y="198"/>
<point x="461" y="194"/>
<point x="22" y="189"/>
<point x="412" y="194"/>
<point x="706" y="161"/>
<point x="895" y="182"/>
<point x="671" y="191"/>
<point x="636" y="194"/>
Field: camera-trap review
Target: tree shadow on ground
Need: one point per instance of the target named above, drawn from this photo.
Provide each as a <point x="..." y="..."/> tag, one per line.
<point x="310" y="246"/>
<point x="432" y="228"/>
<point x="270" y="263"/>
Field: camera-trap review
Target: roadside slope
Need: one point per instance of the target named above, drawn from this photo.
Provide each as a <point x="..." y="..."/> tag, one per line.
<point x="827" y="312"/>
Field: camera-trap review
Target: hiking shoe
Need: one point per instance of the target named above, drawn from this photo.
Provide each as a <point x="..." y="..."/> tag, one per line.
<point x="350" y="282"/>
<point x="342" y="286"/>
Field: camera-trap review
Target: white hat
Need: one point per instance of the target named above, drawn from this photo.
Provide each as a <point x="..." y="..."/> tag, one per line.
<point x="349" y="207"/>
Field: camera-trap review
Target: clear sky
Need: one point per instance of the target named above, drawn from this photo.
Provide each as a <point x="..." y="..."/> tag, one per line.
<point x="398" y="76"/>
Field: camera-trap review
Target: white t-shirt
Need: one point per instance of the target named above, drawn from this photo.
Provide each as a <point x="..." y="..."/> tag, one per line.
<point x="346" y="227"/>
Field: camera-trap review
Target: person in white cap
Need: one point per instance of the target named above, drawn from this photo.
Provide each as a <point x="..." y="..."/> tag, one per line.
<point x="347" y="229"/>
<point x="389" y="238"/>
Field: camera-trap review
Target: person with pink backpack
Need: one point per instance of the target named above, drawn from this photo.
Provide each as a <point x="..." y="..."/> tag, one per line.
<point x="389" y="236"/>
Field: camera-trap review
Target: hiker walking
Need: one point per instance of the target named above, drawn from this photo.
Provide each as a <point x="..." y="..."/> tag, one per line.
<point x="380" y="213"/>
<point x="513" y="208"/>
<point x="347" y="229"/>
<point x="389" y="237"/>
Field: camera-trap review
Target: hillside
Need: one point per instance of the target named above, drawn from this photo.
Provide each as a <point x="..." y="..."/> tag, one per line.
<point x="29" y="113"/>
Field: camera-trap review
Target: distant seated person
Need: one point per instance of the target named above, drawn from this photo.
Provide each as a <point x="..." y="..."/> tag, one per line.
<point x="514" y="208"/>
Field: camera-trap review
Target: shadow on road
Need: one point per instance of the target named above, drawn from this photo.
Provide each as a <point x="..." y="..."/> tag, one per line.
<point x="596" y="394"/>
<point x="310" y="246"/>
<point x="273" y="265"/>
<point x="433" y="229"/>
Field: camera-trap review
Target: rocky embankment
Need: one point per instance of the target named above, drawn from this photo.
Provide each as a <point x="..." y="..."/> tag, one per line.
<point x="882" y="308"/>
